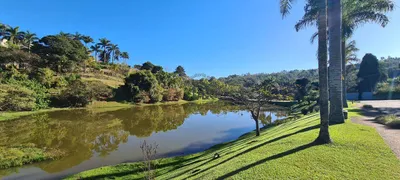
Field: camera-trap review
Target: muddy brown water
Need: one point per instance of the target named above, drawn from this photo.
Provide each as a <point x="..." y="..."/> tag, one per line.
<point x="92" y="138"/>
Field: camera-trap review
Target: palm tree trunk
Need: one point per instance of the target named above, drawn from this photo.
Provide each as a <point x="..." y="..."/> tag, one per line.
<point x="323" y="136"/>
<point x="335" y="62"/>
<point x="344" y="73"/>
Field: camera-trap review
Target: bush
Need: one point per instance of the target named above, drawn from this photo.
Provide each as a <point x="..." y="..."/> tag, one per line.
<point x="59" y="82"/>
<point x="304" y="111"/>
<point x="45" y="76"/>
<point x="367" y="106"/>
<point x="311" y="109"/>
<point x="316" y="108"/>
<point x="390" y="120"/>
<point x="172" y="94"/>
<point x="99" y="90"/>
<point x="16" y="98"/>
<point x="140" y="85"/>
<point x="77" y="94"/>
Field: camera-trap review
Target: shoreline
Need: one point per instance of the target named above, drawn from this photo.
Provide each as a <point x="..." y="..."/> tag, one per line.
<point x="96" y="105"/>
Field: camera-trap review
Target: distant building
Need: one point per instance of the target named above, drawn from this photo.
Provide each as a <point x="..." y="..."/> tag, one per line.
<point x="3" y="43"/>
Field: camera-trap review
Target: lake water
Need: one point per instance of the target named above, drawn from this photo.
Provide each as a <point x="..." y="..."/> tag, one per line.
<point x="92" y="138"/>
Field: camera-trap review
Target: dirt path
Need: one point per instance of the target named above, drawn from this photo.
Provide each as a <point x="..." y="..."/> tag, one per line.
<point x="391" y="136"/>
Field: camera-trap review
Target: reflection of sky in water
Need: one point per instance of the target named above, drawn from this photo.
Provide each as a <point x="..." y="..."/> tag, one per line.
<point x="197" y="133"/>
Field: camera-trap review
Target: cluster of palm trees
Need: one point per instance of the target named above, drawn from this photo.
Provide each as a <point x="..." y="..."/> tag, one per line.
<point x="104" y="50"/>
<point x="340" y="18"/>
<point x="17" y="38"/>
<point x="107" y="51"/>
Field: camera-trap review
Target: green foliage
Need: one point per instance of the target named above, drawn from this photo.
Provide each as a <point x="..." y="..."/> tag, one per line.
<point x="304" y="111"/>
<point x="173" y="94"/>
<point x="180" y="71"/>
<point x="369" y="73"/>
<point x="16" y="98"/>
<point x="45" y="76"/>
<point x="303" y="87"/>
<point x="389" y="120"/>
<point x="99" y="90"/>
<point x="60" y="53"/>
<point x="76" y="94"/>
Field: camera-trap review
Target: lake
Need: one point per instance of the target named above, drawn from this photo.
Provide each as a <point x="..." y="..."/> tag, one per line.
<point x="92" y="138"/>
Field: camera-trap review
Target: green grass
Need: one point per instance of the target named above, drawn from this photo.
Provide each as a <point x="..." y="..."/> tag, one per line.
<point x="14" y="115"/>
<point x="26" y="154"/>
<point x="281" y="152"/>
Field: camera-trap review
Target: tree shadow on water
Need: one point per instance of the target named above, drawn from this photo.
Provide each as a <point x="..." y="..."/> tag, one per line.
<point x="276" y="156"/>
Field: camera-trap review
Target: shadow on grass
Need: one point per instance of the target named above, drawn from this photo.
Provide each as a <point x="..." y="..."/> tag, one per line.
<point x="197" y="171"/>
<point x="276" y="156"/>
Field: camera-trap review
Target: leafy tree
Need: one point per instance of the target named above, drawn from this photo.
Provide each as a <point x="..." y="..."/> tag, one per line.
<point x="320" y="12"/>
<point x="180" y="71"/>
<point x="156" y="69"/>
<point x="77" y="94"/>
<point x="45" y="76"/>
<point x="302" y="86"/>
<point x="368" y="74"/>
<point x="147" y="66"/>
<point x="60" y="53"/>
<point x="256" y="97"/>
<point x="16" y="98"/>
<point x="19" y="58"/>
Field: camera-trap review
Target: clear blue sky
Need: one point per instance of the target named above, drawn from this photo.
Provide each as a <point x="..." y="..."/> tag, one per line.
<point x="215" y="37"/>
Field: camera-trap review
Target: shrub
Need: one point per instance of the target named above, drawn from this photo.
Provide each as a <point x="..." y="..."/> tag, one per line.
<point x="59" y="82"/>
<point x="138" y="84"/>
<point x="316" y="108"/>
<point x="390" y="120"/>
<point x="77" y="94"/>
<point x="367" y="106"/>
<point x="45" y="76"/>
<point x="304" y="111"/>
<point x="16" y="98"/>
<point x="172" y="94"/>
<point x="99" y="90"/>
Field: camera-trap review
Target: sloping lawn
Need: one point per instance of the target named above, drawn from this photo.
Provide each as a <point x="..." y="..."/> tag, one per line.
<point x="281" y="152"/>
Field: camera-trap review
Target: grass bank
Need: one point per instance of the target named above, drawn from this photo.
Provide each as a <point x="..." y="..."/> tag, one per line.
<point x="281" y="152"/>
<point x="25" y="154"/>
<point x="97" y="106"/>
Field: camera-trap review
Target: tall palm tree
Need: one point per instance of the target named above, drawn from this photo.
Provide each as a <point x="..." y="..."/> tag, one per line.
<point x="335" y="61"/>
<point x="95" y="49"/>
<point x="354" y="14"/>
<point x="104" y="44"/>
<point x="124" y="56"/>
<point x="14" y="35"/>
<point x="29" y="38"/>
<point x="114" y="51"/>
<point x="321" y="22"/>
<point x="3" y="30"/>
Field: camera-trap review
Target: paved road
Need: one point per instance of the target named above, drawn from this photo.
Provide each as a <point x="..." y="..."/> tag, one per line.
<point x="391" y="136"/>
<point x="386" y="106"/>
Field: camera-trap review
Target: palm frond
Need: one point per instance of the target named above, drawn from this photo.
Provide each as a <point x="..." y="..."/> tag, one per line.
<point x="285" y="7"/>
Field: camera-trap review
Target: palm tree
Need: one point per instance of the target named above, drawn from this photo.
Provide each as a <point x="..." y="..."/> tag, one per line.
<point x="87" y="40"/>
<point x="114" y="51"/>
<point x="355" y="13"/>
<point x="96" y="49"/>
<point x="335" y="61"/>
<point x="13" y="35"/>
<point x="77" y="36"/>
<point x="3" y="30"/>
<point x="29" y="38"/>
<point x="124" y="56"/>
<point x="321" y="12"/>
<point x="104" y="44"/>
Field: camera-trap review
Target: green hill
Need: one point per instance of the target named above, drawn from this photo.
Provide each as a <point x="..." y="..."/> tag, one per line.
<point x="281" y="152"/>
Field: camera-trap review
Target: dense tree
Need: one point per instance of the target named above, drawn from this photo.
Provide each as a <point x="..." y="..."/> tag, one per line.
<point x="320" y="11"/>
<point x="368" y="74"/>
<point x="147" y="66"/>
<point x="180" y="71"/>
<point x="60" y="53"/>
<point x="302" y="86"/>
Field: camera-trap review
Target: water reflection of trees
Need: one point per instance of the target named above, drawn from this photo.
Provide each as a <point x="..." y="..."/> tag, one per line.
<point x="81" y="132"/>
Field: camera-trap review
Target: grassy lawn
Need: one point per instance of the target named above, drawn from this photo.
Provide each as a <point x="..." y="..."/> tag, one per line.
<point x="281" y="152"/>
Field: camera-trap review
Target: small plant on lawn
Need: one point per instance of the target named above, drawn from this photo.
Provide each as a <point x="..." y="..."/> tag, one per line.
<point x="389" y="120"/>
<point x="149" y="152"/>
